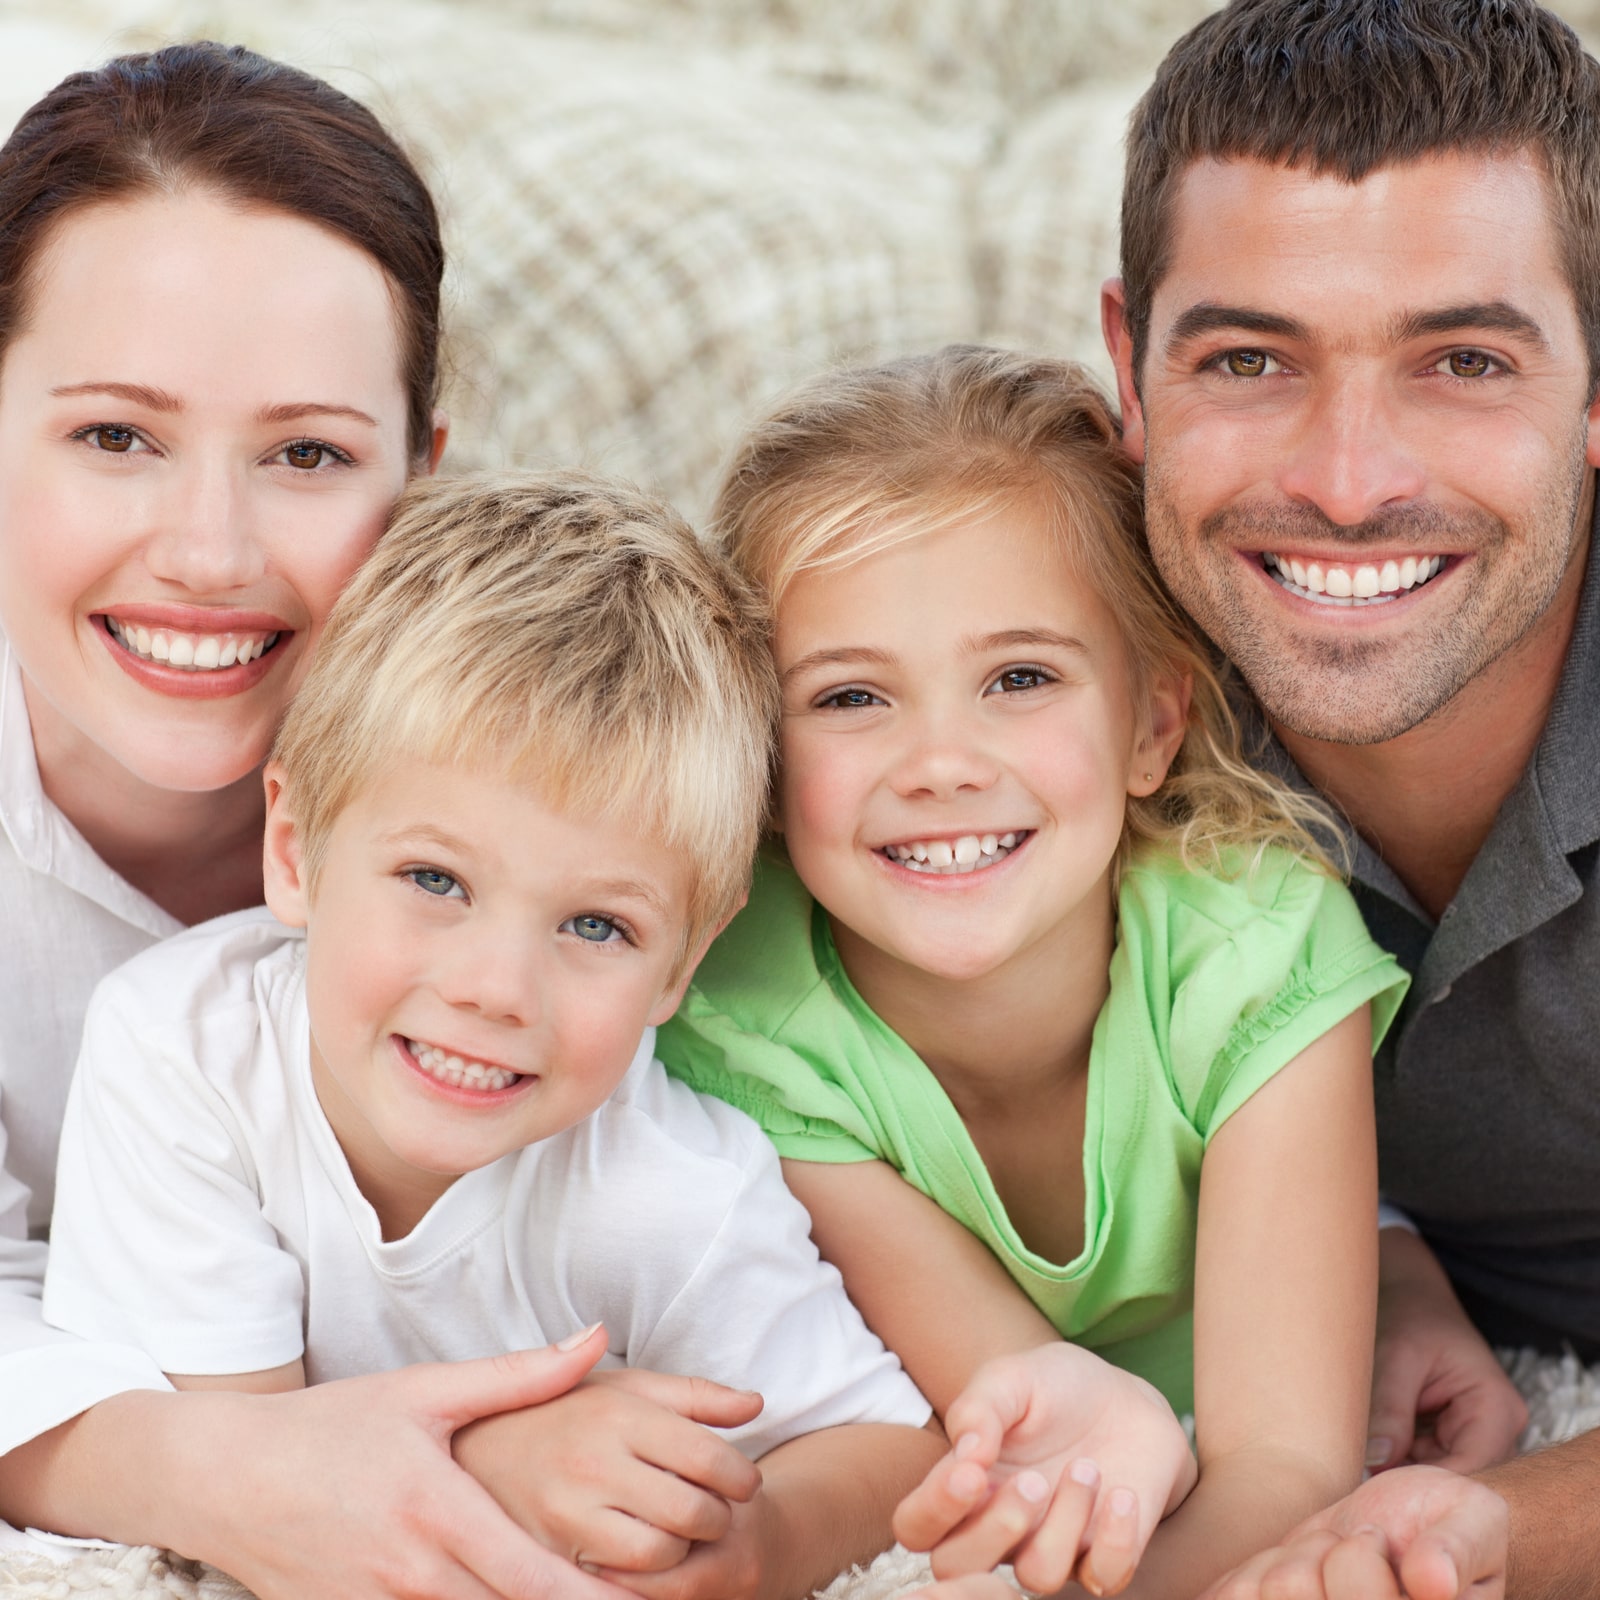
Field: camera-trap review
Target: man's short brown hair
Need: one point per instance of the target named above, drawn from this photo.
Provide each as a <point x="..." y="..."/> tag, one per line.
<point x="1349" y="86"/>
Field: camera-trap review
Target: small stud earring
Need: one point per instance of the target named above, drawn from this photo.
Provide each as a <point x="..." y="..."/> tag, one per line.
<point x="1148" y="776"/>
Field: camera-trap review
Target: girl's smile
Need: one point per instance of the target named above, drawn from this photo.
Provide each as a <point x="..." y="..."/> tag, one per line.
<point x="956" y="758"/>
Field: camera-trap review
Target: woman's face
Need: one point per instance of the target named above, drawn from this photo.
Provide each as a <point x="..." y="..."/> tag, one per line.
<point x="202" y="428"/>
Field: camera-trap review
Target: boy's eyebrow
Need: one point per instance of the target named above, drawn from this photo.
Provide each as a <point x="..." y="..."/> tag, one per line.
<point x="1009" y="637"/>
<point x="844" y="655"/>
<point x="629" y="889"/>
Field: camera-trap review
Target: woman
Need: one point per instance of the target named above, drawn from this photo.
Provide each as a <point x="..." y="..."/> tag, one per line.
<point x="219" y="314"/>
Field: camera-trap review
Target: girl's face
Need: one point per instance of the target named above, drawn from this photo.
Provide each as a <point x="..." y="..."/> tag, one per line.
<point x="202" y="428"/>
<point x="959" y="742"/>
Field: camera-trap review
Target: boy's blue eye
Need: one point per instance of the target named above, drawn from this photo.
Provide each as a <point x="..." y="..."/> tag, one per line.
<point x="431" y="881"/>
<point x="1015" y="679"/>
<point x="849" y="699"/>
<point x="597" y="930"/>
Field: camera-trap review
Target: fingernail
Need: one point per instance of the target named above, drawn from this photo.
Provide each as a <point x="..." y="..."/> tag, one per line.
<point x="1123" y="1503"/>
<point x="1084" y="1472"/>
<point x="1032" y="1487"/>
<point x="590" y="1568"/>
<point x="573" y="1340"/>
<point x="1378" y="1451"/>
<point x="968" y="1445"/>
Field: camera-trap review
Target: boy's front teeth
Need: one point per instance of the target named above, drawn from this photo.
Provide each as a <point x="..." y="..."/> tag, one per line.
<point x="457" y="1071"/>
<point x="969" y="853"/>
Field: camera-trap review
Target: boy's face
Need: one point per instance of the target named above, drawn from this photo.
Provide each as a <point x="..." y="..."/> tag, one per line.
<point x="479" y="970"/>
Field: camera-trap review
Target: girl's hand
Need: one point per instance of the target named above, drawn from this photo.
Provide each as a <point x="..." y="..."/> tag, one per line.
<point x="621" y="1472"/>
<point x="1063" y="1465"/>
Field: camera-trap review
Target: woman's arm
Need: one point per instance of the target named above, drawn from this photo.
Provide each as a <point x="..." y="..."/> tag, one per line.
<point x="1285" y="1291"/>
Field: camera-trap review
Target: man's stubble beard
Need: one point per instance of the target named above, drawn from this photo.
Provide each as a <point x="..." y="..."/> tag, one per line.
<point x="1366" y="691"/>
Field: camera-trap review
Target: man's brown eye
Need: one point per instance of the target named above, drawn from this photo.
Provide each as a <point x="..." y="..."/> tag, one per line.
<point x="117" y="440"/>
<point x="1246" y="363"/>
<point x="304" y="454"/>
<point x="1468" y="364"/>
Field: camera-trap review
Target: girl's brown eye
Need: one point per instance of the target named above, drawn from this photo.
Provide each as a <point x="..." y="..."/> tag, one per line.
<point x="304" y="455"/>
<point x="117" y="440"/>
<point x="1469" y="364"/>
<point x="1246" y="363"/>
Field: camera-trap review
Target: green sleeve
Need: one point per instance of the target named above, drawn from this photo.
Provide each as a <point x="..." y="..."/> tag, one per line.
<point x="1258" y="967"/>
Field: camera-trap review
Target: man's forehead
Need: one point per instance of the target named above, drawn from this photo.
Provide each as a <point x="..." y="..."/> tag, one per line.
<point x="1284" y="242"/>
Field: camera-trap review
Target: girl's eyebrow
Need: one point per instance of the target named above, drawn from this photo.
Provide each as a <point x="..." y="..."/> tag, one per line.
<point x="1009" y="638"/>
<point x="843" y="655"/>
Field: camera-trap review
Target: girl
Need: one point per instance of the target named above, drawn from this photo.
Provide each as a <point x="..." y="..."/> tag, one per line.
<point x="219" y="320"/>
<point x="1039" y="944"/>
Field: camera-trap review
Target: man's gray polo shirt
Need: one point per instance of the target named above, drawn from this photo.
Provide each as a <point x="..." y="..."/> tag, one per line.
<point x="1488" y="1085"/>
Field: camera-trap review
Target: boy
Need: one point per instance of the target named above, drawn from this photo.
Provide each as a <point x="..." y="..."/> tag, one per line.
<point x="515" y="799"/>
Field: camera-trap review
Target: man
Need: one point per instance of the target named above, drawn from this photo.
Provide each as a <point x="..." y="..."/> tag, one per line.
<point x="1357" y="338"/>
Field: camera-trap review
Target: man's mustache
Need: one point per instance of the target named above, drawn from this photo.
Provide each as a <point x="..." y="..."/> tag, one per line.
<point x="1427" y="529"/>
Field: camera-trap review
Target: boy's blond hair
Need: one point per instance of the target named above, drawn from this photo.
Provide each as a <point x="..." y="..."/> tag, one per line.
<point x="862" y="459"/>
<point x="562" y="629"/>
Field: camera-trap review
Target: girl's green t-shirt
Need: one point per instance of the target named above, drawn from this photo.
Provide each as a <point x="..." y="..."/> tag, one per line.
<point x="1216" y="984"/>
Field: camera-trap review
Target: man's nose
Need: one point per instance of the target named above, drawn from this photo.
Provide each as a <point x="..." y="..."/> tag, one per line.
<point x="1351" y="455"/>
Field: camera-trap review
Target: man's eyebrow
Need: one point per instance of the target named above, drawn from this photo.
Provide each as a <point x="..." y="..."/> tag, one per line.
<point x="1499" y="316"/>
<point x="1208" y="317"/>
<point x="843" y="655"/>
<point x="1011" y="638"/>
<point x="293" y="411"/>
<point x="138" y="394"/>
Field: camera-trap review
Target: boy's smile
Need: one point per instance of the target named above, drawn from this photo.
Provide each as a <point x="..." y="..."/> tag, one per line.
<point x="480" y="969"/>
<point x="956" y="755"/>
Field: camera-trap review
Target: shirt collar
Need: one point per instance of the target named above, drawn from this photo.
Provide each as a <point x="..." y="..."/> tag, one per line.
<point x="41" y="835"/>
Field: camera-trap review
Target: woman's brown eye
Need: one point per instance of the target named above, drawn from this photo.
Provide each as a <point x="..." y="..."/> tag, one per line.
<point x="117" y="440"/>
<point x="1469" y="364"/>
<point x="1246" y="363"/>
<point x="304" y="455"/>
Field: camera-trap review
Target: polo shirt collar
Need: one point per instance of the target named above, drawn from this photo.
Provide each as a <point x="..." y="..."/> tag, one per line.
<point x="39" y="832"/>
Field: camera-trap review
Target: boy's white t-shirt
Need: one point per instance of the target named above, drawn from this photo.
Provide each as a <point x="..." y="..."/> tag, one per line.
<point x="206" y="1214"/>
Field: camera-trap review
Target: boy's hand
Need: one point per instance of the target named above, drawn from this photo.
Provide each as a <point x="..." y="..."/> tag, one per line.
<point x="731" y="1568"/>
<point x="1062" y="1465"/>
<point x="621" y="1471"/>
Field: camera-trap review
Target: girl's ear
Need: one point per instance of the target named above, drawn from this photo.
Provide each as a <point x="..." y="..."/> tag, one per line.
<point x="1168" y="721"/>
<point x="282" y="861"/>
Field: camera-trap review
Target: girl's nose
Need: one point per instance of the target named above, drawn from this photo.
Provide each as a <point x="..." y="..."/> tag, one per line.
<point x="944" y="757"/>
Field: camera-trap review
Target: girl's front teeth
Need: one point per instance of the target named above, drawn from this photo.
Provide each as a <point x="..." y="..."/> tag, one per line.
<point x="190" y="652"/>
<point x="458" y="1071"/>
<point x="972" y="852"/>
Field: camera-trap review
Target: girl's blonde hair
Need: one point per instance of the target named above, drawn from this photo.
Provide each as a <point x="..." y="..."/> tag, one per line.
<point x="861" y="459"/>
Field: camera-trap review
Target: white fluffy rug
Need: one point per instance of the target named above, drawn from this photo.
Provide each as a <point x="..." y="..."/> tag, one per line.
<point x="1563" y="1399"/>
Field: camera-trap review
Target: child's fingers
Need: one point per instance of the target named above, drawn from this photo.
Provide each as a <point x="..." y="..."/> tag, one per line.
<point x="1358" y="1568"/>
<point x="615" y="1540"/>
<point x="1115" y="1544"/>
<point x="1046" y="1560"/>
<point x="659" y="1497"/>
<point x="942" y="1501"/>
<point x="989" y="1536"/>
<point x="701" y="1458"/>
<point x="697" y="1399"/>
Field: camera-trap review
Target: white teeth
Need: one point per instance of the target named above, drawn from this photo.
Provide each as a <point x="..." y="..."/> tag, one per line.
<point x="192" y="652"/>
<point x="971" y="852"/>
<point x="459" y="1071"/>
<point x="1364" y="585"/>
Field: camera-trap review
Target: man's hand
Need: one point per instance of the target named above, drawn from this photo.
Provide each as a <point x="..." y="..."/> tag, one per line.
<point x="1431" y="1361"/>
<point x="621" y="1472"/>
<point x="1418" y="1532"/>
<point x="1062" y="1464"/>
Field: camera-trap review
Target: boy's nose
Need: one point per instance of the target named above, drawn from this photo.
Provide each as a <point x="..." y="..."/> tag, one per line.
<point x="499" y="977"/>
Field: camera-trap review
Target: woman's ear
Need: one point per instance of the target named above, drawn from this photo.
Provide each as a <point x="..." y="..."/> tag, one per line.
<point x="282" y="860"/>
<point x="1168" y="720"/>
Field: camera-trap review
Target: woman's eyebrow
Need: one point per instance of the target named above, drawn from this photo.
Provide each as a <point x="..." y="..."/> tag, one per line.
<point x="293" y="411"/>
<point x="138" y="394"/>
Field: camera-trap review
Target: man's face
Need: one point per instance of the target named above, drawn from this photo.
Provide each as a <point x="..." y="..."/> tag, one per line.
<point x="1365" y="416"/>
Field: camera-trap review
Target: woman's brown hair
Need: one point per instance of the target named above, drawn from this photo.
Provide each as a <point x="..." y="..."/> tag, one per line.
<point x="255" y="131"/>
